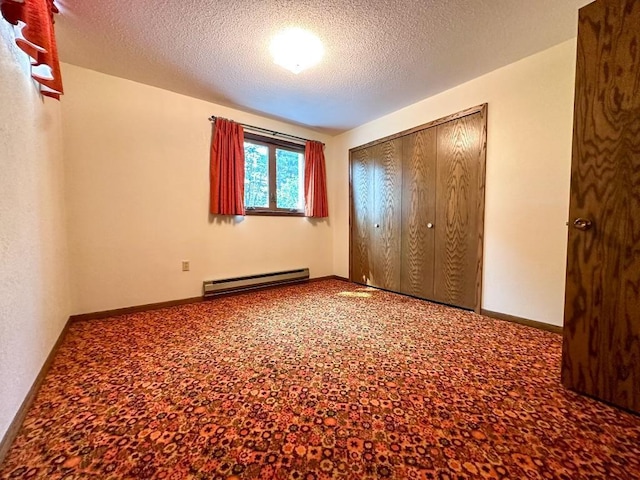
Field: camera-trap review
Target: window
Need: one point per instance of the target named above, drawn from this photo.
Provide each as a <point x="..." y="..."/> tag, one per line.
<point x="273" y="176"/>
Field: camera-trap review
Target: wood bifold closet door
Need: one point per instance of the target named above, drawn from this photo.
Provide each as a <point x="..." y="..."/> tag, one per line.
<point x="376" y="174"/>
<point x="459" y="211"/>
<point x="418" y="213"/>
<point x="601" y="351"/>
<point x="417" y="202"/>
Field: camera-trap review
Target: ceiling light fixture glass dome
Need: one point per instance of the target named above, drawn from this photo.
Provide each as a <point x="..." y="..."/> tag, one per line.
<point x="296" y="49"/>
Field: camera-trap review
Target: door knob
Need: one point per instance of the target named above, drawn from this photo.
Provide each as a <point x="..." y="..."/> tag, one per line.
<point x="582" y="224"/>
<point x="429" y="225"/>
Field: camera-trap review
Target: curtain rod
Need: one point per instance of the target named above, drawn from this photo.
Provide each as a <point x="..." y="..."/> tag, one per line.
<point x="270" y="132"/>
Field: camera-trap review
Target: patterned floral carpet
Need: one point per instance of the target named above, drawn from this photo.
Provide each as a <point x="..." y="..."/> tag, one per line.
<point x="316" y="381"/>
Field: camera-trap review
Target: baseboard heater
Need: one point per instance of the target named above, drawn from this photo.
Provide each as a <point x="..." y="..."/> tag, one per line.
<point x="211" y="288"/>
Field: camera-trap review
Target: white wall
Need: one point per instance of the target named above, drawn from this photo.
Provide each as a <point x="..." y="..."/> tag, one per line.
<point x="137" y="172"/>
<point x="34" y="294"/>
<point x="528" y="171"/>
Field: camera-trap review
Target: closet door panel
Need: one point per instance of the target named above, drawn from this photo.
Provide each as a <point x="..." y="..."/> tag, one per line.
<point x="362" y="214"/>
<point x="459" y="167"/>
<point x="418" y="213"/>
<point x="387" y="218"/>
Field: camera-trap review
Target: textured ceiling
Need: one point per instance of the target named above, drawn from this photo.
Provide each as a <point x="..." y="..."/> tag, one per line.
<point x="380" y="55"/>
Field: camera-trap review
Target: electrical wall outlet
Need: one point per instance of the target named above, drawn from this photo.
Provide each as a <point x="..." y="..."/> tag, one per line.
<point x="185" y="266"/>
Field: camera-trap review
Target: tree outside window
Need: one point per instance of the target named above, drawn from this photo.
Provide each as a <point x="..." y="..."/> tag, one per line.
<point x="274" y="176"/>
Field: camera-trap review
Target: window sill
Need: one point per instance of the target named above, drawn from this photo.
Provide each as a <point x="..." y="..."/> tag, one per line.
<point x="273" y="213"/>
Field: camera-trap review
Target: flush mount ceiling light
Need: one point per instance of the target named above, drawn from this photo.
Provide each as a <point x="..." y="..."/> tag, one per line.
<point x="296" y="49"/>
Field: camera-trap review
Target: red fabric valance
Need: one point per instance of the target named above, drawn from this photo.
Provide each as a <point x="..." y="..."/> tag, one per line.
<point x="315" y="181"/>
<point x="36" y="37"/>
<point x="226" y="168"/>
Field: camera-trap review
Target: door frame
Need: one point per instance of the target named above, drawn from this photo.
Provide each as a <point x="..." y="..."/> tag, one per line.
<point x="482" y="110"/>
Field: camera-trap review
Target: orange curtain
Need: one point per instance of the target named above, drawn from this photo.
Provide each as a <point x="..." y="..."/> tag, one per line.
<point x="36" y="37"/>
<point x="315" y="181"/>
<point x="227" y="168"/>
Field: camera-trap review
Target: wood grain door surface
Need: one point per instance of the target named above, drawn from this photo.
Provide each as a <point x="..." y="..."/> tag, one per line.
<point x="417" y="210"/>
<point x="460" y="183"/>
<point x="601" y="351"/>
<point x="362" y="214"/>
<point x="418" y="213"/>
<point x="387" y="215"/>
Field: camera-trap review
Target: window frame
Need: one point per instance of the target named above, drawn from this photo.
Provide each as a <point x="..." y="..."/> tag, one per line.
<point x="272" y="144"/>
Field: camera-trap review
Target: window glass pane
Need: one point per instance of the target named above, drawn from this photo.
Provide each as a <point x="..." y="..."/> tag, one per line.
<point x="289" y="179"/>
<point x="256" y="175"/>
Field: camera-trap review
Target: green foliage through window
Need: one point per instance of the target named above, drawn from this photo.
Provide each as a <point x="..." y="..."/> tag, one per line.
<point x="256" y="175"/>
<point x="274" y="176"/>
<point x="289" y="177"/>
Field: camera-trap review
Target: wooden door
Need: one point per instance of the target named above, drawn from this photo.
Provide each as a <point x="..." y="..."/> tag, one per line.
<point x="418" y="213"/>
<point x="387" y="215"/>
<point x="601" y="352"/>
<point x="459" y="211"/>
<point x="362" y="214"/>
